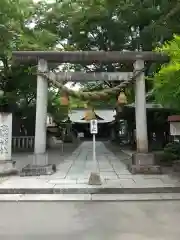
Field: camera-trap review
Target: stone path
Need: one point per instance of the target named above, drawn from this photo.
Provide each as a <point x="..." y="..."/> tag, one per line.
<point x="73" y="173"/>
<point x="79" y="165"/>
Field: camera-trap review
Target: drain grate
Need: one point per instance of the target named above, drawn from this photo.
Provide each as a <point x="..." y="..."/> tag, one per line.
<point x="37" y="170"/>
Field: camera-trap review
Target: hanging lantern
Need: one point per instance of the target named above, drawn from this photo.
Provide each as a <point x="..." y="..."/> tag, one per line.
<point x="89" y="115"/>
<point x="64" y="99"/>
<point x="122" y="99"/>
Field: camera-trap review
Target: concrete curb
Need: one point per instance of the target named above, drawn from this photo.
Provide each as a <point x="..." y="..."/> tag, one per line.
<point x="92" y="190"/>
<point x="88" y="197"/>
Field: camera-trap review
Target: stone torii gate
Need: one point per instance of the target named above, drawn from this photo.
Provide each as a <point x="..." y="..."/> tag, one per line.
<point x="142" y="160"/>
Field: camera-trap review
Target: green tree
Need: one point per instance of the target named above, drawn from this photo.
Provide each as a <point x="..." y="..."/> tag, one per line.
<point x="167" y="80"/>
<point x="17" y="32"/>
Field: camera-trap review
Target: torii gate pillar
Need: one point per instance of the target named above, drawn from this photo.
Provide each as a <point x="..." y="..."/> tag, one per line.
<point x="140" y="109"/>
<point x="142" y="160"/>
<point x="41" y="110"/>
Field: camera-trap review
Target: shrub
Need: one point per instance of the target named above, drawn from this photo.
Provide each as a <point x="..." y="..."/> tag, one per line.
<point x="173" y="148"/>
<point x="171" y="152"/>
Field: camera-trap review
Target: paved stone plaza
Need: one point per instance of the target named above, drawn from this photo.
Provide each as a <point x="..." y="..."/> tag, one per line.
<point x="73" y="171"/>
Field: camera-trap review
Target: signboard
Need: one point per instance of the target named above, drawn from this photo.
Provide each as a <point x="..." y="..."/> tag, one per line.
<point x="5" y="136"/>
<point x="93" y="126"/>
<point x="175" y="128"/>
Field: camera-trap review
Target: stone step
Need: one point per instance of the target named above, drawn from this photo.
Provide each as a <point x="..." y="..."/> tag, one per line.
<point x="87" y="189"/>
<point x="88" y="197"/>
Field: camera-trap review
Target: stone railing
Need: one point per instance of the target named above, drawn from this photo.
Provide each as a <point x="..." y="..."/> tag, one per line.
<point x="22" y="143"/>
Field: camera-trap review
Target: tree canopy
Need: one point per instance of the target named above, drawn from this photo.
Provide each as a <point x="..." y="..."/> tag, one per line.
<point x="111" y="25"/>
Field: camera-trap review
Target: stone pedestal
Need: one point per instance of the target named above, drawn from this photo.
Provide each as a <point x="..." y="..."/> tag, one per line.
<point x="40" y="159"/>
<point x="94" y="179"/>
<point x="144" y="163"/>
<point x="7" y="168"/>
<point x="39" y="166"/>
<point x="176" y="166"/>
